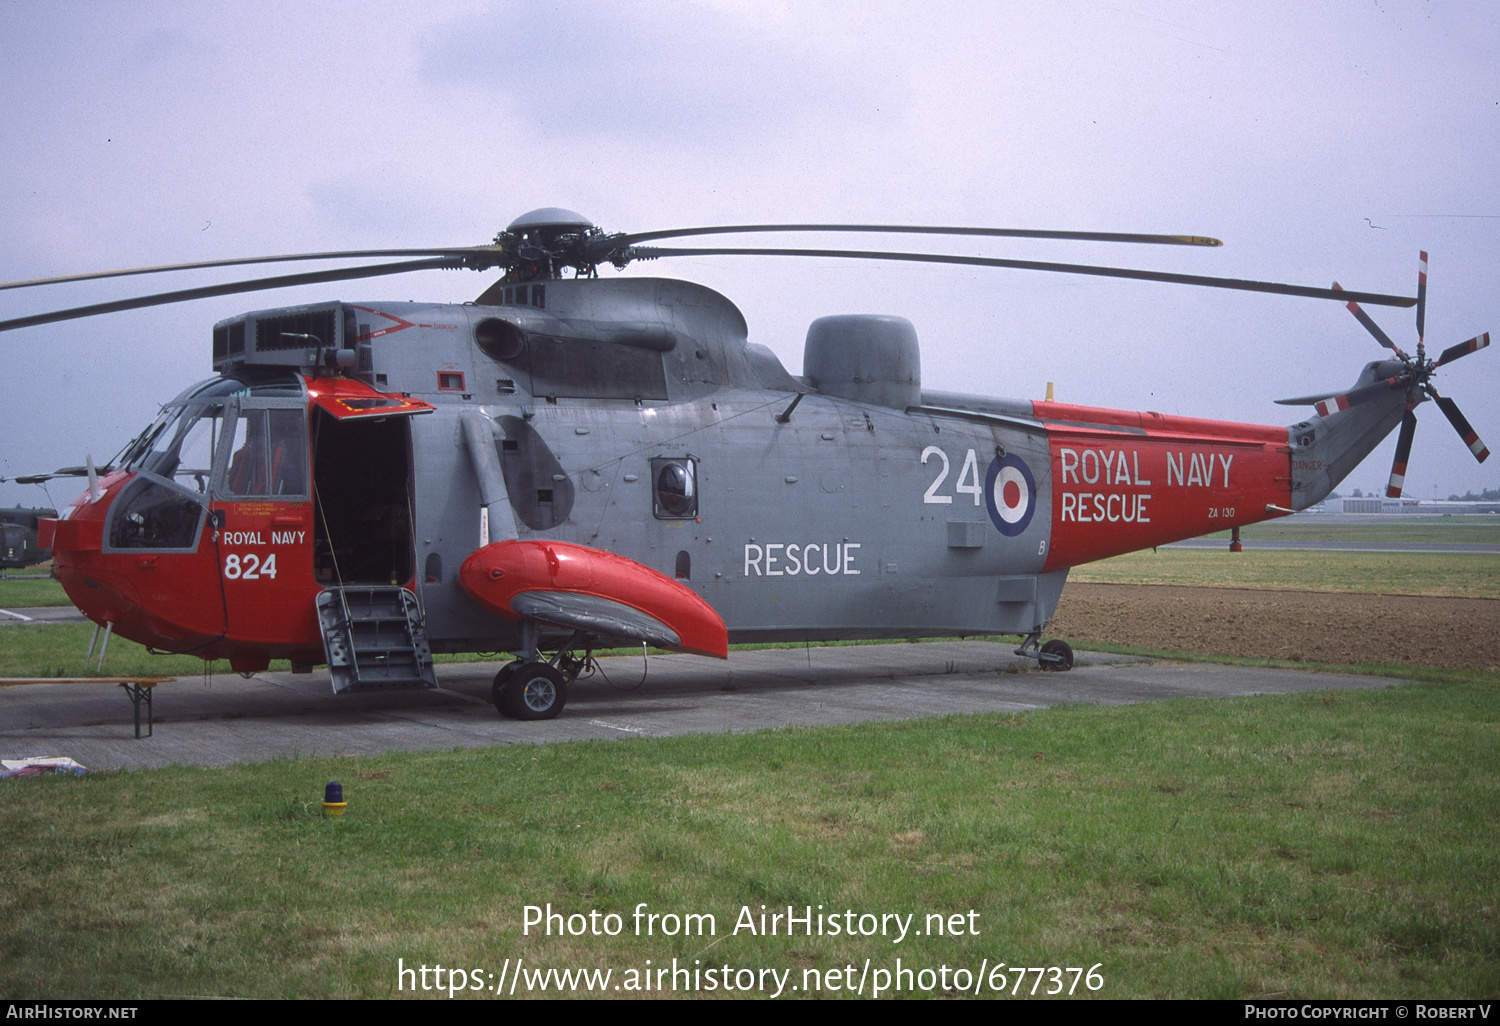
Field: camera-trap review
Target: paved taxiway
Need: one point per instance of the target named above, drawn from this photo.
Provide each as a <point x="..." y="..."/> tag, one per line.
<point x="42" y="614"/>
<point x="1477" y="548"/>
<point x="227" y="720"/>
<point x="1458" y="526"/>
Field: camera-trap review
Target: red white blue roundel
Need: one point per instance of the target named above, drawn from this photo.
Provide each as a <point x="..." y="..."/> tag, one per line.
<point x="1010" y="494"/>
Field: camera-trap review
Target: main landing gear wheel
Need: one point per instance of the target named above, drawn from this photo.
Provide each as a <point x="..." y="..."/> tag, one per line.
<point x="497" y="689"/>
<point x="530" y="691"/>
<point x="1057" y="655"/>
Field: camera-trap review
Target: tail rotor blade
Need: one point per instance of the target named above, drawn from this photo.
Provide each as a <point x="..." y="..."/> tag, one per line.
<point x="1473" y="345"/>
<point x="1371" y="326"/>
<point x="1403" y="453"/>
<point x="1462" y="426"/>
<point x="1421" y="299"/>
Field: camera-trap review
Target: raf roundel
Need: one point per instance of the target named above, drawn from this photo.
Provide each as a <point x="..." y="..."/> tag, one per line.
<point x="1010" y="493"/>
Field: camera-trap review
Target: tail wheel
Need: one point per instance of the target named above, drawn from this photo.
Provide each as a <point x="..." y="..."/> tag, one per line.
<point x="530" y="691"/>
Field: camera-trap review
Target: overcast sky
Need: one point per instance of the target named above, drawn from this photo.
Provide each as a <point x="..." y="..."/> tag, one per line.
<point x="1320" y="141"/>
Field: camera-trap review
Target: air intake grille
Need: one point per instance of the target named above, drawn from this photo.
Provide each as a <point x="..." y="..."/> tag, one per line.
<point x="291" y="331"/>
<point x="229" y="340"/>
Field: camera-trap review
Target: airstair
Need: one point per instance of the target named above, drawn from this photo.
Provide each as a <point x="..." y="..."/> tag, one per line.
<point x="374" y="639"/>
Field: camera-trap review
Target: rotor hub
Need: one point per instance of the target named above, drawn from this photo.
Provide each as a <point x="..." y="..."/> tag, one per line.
<point x="554" y="220"/>
<point x="544" y="241"/>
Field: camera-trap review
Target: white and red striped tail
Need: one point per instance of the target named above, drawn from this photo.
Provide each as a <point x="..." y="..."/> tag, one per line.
<point x="1332" y="405"/>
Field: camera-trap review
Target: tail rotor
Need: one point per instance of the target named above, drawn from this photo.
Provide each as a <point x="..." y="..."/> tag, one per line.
<point x="1415" y="377"/>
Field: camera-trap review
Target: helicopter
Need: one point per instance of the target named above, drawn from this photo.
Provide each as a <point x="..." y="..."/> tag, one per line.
<point x="574" y="461"/>
<point x="18" y="537"/>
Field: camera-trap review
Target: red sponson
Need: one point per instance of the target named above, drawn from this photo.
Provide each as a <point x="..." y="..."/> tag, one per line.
<point x="498" y="572"/>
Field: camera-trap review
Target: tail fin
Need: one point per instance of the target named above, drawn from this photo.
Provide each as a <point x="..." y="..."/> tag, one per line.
<point x="1348" y="426"/>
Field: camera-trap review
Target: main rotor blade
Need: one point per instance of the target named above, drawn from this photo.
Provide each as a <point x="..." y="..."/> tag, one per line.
<point x="651" y="253"/>
<point x="909" y="229"/>
<point x="1403" y="453"/>
<point x="60" y="472"/>
<point x="457" y="252"/>
<point x="229" y="289"/>
<point x="1462" y="426"/>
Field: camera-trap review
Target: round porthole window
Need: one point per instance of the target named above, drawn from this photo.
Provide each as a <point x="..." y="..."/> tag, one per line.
<point x="676" y="493"/>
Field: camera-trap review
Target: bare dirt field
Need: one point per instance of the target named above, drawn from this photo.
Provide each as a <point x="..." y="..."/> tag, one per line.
<point x="1325" y="627"/>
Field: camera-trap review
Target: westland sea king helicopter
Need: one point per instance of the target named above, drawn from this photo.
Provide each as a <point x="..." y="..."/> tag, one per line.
<point x="571" y="461"/>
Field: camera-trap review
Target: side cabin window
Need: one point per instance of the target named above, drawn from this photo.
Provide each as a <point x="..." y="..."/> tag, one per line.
<point x="674" y="487"/>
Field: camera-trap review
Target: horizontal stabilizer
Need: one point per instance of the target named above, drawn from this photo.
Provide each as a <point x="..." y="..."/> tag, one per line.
<point x="1306" y="400"/>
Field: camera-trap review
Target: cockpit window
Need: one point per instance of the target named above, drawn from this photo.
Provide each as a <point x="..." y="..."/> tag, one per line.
<point x="149" y="515"/>
<point x="180" y="445"/>
<point x="184" y="452"/>
<point x="268" y="454"/>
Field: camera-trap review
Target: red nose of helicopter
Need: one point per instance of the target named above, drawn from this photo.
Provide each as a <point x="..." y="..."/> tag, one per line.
<point x="77" y="540"/>
<point x="119" y="584"/>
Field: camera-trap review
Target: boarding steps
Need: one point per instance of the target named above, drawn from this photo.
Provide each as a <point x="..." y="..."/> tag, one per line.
<point x="374" y="639"/>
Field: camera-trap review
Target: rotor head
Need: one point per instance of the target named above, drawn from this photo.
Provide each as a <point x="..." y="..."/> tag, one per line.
<point x="542" y="243"/>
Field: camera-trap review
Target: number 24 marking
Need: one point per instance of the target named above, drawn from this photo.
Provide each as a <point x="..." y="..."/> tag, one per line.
<point x="968" y="477"/>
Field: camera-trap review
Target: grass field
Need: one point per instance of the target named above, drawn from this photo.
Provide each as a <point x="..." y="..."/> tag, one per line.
<point x="1324" y="845"/>
<point x="18" y="592"/>
<point x="1384" y="573"/>
<point x="1335" y="844"/>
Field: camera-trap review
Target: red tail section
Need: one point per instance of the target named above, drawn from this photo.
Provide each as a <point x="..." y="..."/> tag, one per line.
<point x="1123" y="481"/>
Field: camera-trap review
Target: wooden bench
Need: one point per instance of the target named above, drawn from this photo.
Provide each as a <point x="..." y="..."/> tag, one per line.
<point x="138" y="688"/>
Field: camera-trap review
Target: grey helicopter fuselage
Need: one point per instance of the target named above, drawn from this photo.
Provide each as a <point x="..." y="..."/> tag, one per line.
<point x="18" y="537"/>
<point x="796" y="519"/>
<point x="791" y="527"/>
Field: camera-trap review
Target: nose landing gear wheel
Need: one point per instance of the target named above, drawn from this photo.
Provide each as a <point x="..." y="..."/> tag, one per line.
<point x="530" y="691"/>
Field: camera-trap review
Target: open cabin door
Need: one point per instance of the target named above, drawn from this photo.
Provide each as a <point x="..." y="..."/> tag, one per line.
<point x="363" y="554"/>
<point x="362" y="483"/>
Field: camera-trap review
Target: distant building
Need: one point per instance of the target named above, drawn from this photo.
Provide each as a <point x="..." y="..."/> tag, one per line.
<point x="1421" y="507"/>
